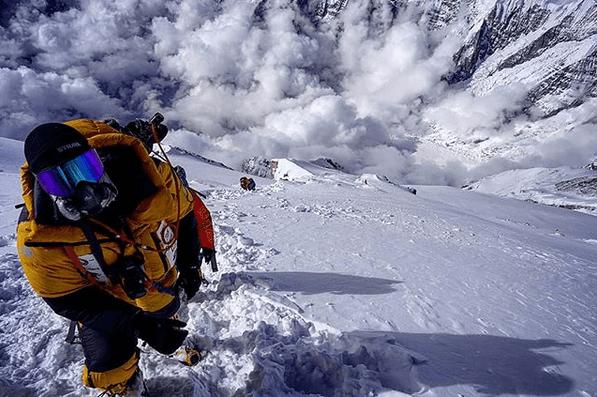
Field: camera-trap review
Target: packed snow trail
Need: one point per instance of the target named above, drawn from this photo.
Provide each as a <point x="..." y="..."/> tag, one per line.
<point x="335" y="285"/>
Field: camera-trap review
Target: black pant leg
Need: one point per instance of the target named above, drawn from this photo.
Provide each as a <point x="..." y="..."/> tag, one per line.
<point x="105" y="352"/>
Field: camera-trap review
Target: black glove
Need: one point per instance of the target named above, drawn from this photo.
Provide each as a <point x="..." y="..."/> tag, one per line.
<point x="114" y="124"/>
<point x="208" y="255"/>
<point x="190" y="279"/>
<point x="163" y="334"/>
<point x="141" y="129"/>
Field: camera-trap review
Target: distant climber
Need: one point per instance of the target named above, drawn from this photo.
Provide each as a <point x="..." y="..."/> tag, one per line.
<point x="247" y="183"/>
<point x="108" y="237"/>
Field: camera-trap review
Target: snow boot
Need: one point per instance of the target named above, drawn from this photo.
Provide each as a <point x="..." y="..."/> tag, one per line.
<point x="135" y="387"/>
<point x="189" y="355"/>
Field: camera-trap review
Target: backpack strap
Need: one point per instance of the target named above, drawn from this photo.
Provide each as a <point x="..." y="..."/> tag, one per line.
<point x="111" y="272"/>
<point x="96" y="251"/>
<point x="71" y="336"/>
<point x="72" y="255"/>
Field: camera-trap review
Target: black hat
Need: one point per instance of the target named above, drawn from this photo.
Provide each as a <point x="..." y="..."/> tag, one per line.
<point x="53" y="144"/>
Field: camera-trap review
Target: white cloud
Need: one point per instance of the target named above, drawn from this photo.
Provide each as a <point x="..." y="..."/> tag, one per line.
<point x="465" y="113"/>
<point x="254" y="78"/>
<point x="573" y="148"/>
<point x="383" y="73"/>
<point x="29" y="98"/>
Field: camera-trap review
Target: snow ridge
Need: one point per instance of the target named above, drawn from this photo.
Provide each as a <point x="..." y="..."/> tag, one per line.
<point x="331" y="286"/>
<point x="565" y="187"/>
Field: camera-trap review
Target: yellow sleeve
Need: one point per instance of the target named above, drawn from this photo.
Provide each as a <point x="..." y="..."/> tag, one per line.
<point x="89" y="128"/>
<point x="50" y="272"/>
<point x="177" y="191"/>
<point x="51" y="276"/>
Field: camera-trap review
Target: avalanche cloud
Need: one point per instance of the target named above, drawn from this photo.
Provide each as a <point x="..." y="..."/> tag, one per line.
<point x="275" y="78"/>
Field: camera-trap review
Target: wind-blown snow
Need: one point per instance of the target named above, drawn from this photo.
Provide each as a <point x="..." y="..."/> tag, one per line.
<point x="335" y="285"/>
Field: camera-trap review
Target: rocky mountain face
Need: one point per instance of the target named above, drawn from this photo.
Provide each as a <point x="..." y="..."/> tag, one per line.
<point x="582" y="186"/>
<point x="559" y="44"/>
<point x="555" y="41"/>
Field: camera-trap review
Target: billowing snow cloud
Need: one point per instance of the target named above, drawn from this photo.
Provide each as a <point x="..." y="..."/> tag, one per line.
<point x="467" y="114"/>
<point x="249" y="78"/>
<point x="30" y="97"/>
<point x="385" y="75"/>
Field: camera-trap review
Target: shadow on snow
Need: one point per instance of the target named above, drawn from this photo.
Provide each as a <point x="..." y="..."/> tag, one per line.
<point x="362" y="363"/>
<point x="310" y="283"/>
<point x="493" y="365"/>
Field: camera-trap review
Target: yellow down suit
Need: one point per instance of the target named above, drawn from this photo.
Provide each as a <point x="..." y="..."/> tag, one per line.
<point x="62" y="261"/>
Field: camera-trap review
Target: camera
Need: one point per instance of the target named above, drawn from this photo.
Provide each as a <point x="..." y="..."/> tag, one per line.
<point x="144" y="130"/>
<point x="132" y="277"/>
<point x="157" y="119"/>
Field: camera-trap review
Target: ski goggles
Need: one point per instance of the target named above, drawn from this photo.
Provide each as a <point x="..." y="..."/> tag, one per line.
<point x="63" y="179"/>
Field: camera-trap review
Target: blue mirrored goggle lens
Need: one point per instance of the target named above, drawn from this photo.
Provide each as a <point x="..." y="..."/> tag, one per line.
<point x="84" y="168"/>
<point x="62" y="180"/>
<point x="54" y="182"/>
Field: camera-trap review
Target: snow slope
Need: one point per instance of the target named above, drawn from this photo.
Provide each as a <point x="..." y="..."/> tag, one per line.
<point x="572" y="188"/>
<point x="336" y="287"/>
